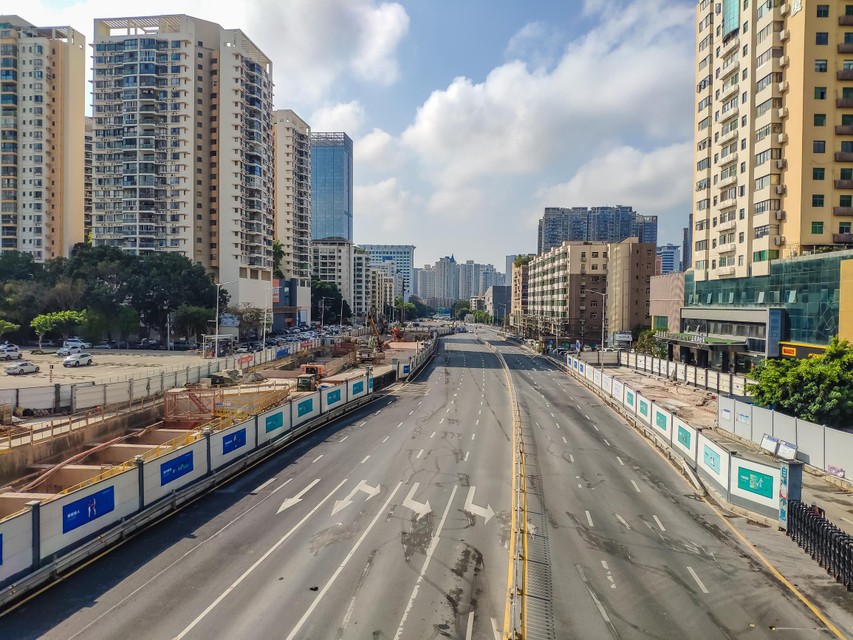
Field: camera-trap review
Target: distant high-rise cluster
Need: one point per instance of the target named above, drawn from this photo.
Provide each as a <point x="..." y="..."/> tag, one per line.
<point x="594" y="224"/>
<point x="447" y="281"/>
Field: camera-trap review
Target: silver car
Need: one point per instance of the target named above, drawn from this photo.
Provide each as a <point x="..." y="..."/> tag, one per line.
<point x="77" y="360"/>
<point x="20" y="368"/>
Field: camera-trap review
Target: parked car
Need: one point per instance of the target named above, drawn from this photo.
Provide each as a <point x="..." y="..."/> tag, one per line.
<point x="103" y="345"/>
<point x="76" y="342"/>
<point x="20" y="368"/>
<point x="9" y="352"/>
<point x="77" y="359"/>
<point x="182" y="345"/>
<point x="69" y="350"/>
<point x="148" y="343"/>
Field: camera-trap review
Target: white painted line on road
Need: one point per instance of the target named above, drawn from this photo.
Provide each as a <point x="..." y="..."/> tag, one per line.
<point x="481" y="403"/>
<point x="596" y="428"/>
<point x="473" y="435"/>
<point x="552" y="415"/>
<point x="565" y="441"/>
<point x="432" y="545"/>
<point x="622" y="520"/>
<point x="399" y="425"/>
<point x="479" y="411"/>
<point x="411" y="412"/>
<point x="478" y="421"/>
<point x="344" y="438"/>
<point x="432" y="436"/>
<point x="467" y="453"/>
<point x="495" y="629"/>
<point x="266" y="555"/>
<point x="558" y="424"/>
<point x="420" y="453"/>
<point x="265" y="484"/>
<point x="317" y="458"/>
<point x="586" y="416"/>
<point x="282" y="486"/>
<point x="604" y="564"/>
<point x="571" y="458"/>
<point x="607" y="443"/>
<point x="579" y="407"/>
<point x="420" y="403"/>
<point x="362" y="424"/>
<point x="696" y="578"/>
<point x="658" y="522"/>
<point x="597" y="602"/>
<point x="378" y="412"/>
<point x="447" y="410"/>
<point x="620" y="461"/>
<point x="380" y="513"/>
<point x="441" y="421"/>
<point x="588" y="517"/>
<point x="385" y="439"/>
<point x="635" y="486"/>
<point x="366" y="458"/>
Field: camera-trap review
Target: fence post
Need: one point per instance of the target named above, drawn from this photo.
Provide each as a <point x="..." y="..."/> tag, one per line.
<point x="35" y="513"/>
<point x="139" y="466"/>
<point x="206" y="431"/>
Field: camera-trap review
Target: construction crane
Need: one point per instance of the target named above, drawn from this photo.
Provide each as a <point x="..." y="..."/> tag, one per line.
<point x="375" y="332"/>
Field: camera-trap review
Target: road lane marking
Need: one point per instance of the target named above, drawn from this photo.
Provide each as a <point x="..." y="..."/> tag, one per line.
<point x="366" y="458"/>
<point x="473" y="435"/>
<point x="466" y="456"/>
<point x="579" y="407"/>
<point x="441" y="421"/>
<point x="479" y="411"/>
<point x="309" y="611"/>
<point x="607" y="443"/>
<point x="420" y="453"/>
<point x="620" y="461"/>
<point x="362" y="424"/>
<point x="478" y="421"/>
<point x="596" y="428"/>
<point x="266" y="555"/>
<point x="635" y="486"/>
<point x="571" y="458"/>
<point x="265" y="484"/>
<point x="658" y="522"/>
<point x="430" y="550"/>
<point x="622" y="520"/>
<point x="432" y="436"/>
<point x="317" y="458"/>
<point x="552" y="415"/>
<point x="344" y="438"/>
<point x="385" y="439"/>
<point x="588" y="517"/>
<point x="378" y="412"/>
<point x="587" y="417"/>
<point x="558" y="424"/>
<point x="696" y="578"/>
<point x="411" y="412"/>
<point x="597" y="602"/>
<point x="420" y="403"/>
<point x="399" y="425"/>
<point x="470" y="630"/>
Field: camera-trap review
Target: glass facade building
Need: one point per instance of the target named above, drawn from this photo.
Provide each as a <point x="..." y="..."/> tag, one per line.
<point x="331" y="186"/>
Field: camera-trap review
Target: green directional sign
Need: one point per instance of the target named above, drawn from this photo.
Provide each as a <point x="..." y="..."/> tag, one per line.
<point x="755" y="482"/>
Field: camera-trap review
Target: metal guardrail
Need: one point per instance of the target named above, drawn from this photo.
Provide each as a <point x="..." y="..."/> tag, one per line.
<point x="822" y="540"/>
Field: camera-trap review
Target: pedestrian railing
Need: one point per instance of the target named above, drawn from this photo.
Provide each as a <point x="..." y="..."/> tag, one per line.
<point x="831" y="547"/>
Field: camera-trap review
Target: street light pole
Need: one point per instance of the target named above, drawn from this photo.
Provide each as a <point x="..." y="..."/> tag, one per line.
<point x="216" y="337"/>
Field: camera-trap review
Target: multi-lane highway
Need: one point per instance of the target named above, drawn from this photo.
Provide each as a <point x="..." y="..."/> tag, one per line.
<point x="395" y="524"/>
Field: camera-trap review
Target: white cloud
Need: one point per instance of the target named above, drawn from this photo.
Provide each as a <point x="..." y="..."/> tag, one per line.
<point x="378" y="151"/>
<point x="536" y="43"/>
<point x="348" y="117"/>
<point x="387" y="208"/>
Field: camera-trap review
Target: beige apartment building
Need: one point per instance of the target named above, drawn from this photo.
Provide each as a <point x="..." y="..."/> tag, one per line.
<point x="518" y="292"/>
<point x="774" y="133"/>
<point x="183" y="159"/>
<point x="42" y="101"/>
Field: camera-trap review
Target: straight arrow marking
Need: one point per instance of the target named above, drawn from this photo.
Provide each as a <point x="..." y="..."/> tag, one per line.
<point x="289" y="502"/>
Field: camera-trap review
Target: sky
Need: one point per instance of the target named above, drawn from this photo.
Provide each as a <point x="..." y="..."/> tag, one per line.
<point x="469" y="117"/>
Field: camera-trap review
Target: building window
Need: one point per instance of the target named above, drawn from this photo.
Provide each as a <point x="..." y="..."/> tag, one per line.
<point x="844" y="227"/>
<point x="820" y="66"/>
<point x="818" y="173"/>
<point x="845" y="201"/>
<point x="817" y="200"/>
<point x="820" y="93"/>
<point x="820" y="119"/>
<point x="821" y="37"/>
<point x="823" y="11"/>
<point x="817" y="227"/>
<point x="819" y="146"/>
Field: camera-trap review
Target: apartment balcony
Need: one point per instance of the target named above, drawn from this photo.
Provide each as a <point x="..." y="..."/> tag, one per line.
<point x="782" y="138"/>
<point x="732" y="157"/>
<point x="731" y="135"/>
<point x="731" y="247"/>
<point x="844" y="74"/>
<point x="844" y="103"/>
<point x="845" y="21"/>
<point x="725" y="72"/>
<point x="842" y="238"/>
<point x="843" y="156"/>
<point x="726" y="226"/>
<point x="728" y="92"/>
<point x="843" y="184"/>
<point x="781" y="163"/>
<point x="844" y="130"/>
<point x="725" y="271"/>
<point x="727" y="203"/>
<point x="728" y="47"/>
<point x="842" y="211"/>
<point x="727" y="182"/>
<point x="845" y="47"/>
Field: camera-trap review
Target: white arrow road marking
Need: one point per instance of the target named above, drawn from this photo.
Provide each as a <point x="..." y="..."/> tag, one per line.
<point x="486" y="513"/>
<point x="588" y="517"/>
<point x="289" y="502"/>
<point x="421" y="508"/>
<point x="361" y="486"/>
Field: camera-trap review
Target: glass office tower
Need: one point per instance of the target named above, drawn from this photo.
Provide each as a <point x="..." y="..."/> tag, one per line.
<point x="331" y="186"/>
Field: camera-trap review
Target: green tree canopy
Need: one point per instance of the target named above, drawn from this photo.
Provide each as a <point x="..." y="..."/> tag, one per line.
<point x="192" y="321"/>
<point x="817" y="389"/>
<point x="647" y="344"/>
<point x="331" y="314"/>
<point x="60" y="321"/>
<point x="8" y="327"/>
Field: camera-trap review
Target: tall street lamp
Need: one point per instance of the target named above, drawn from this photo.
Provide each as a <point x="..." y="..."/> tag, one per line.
<point x="216" y="337"/>
<point x="323" y="311"/>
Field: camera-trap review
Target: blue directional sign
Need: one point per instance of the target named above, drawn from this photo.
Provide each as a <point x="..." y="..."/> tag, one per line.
<point x="234" y="441"/>
<point x="176" y="467"/>
<point x="85" y="510"/>
<point x="274" y="421"/>
<point x="333" y="396"/>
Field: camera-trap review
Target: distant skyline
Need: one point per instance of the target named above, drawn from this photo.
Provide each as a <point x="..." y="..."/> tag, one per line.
<point x="465" y="129"/>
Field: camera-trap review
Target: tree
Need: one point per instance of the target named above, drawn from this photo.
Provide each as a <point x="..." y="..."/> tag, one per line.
<point x="249" y="317"/>
<point x="647" y="344"/>
<point x="8" y="327"/>
<point x="277" y="257"/>
<point x="331" y="306"/>
<point x="191" y="321"/>
<point x="460" y="312"/>
<point x="815" y="389"/>
<point x="62" y="321"/>
<point x="127" y="322"/>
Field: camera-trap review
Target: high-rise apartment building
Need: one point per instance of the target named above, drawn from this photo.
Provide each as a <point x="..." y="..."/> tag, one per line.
<point x="594" y="224"/>
<point x="331" y="186"/>
<point x="360" y="283"/>
<point x="519" y="290"/>
<point x="774" y="134"/>
<point x="332" y="262"/>
<point x="88" y="145"/>
<point x="402" y="255"/>
<point x="446" y="287"/>
<point x="183" y="158"/>
<point x="42" y="101"/>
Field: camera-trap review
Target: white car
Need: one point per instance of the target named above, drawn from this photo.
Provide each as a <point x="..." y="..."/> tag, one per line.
<point x="77" y="342"/>
<point x="9" y="352"/>
<point x="20" y="368"/>
<point x="69" y="350"/>
<point x="77" y="359"/>
<point x="103" y="345"/>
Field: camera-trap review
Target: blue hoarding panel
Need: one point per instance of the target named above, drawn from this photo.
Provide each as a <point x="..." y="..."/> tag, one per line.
<point x="358" y="387"/>
<point x="405" y="368"/>
<point x="333" y="397"/>
<point x="306" y="406"/>
<point x="234" y="441"/>
<point x="83" y="511"/>
<point x="275" y="421"/>
<point x="176" y="467"/>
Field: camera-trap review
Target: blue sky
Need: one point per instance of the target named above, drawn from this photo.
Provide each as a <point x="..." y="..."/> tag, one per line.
<point x="469" y="116"/>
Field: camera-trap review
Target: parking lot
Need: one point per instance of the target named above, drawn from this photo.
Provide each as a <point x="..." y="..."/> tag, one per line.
<point x="108" y="366"/>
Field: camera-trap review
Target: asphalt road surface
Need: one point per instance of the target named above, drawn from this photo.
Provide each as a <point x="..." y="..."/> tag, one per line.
<point x="394" y="523"/>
